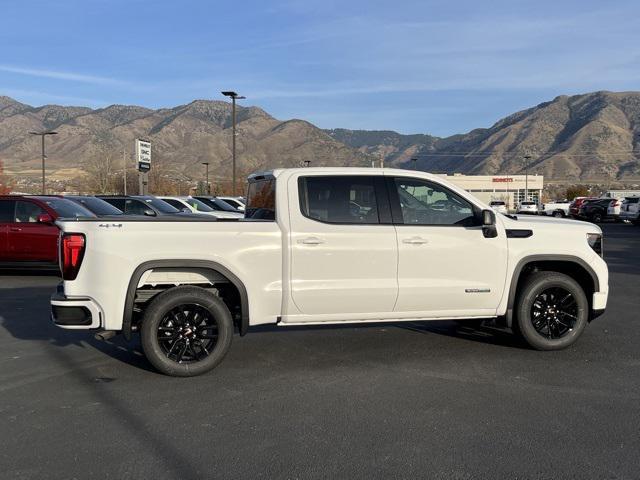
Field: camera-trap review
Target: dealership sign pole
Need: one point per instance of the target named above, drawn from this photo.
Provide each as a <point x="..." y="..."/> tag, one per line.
<point x="143" y="156"/>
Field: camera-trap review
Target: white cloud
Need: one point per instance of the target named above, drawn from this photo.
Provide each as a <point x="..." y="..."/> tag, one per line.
<point x="61" y="75"/>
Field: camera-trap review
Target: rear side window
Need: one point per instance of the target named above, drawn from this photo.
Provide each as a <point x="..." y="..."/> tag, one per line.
<point x="68" y="209"/>
<point x="344" y="199"/>
<point x="261" y="199"/>
<point x="7" y="208"/>
<point x="632" y="199"/>
<point x="27" y="212"/>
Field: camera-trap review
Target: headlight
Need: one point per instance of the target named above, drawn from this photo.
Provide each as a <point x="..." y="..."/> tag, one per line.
<point x="595" y="241"/>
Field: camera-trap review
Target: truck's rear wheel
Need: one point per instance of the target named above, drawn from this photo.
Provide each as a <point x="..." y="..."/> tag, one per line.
<point x="186" y="331"/>
<point x="552" y="311"/>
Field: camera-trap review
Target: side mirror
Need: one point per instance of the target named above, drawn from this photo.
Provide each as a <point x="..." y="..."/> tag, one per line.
<point x="186" y="210"/>
<point x="149" y="213"/>
<point x="489" y="229"/>
<point x="488" y="218"/>
<point x="44" y="218"/>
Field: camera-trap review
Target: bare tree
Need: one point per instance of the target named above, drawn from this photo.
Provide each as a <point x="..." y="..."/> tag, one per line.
<point x="100" y="169"/>
<point x="5" y="183"/>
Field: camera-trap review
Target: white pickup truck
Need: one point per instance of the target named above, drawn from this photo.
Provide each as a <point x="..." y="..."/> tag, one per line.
<point x="328" y="246"/>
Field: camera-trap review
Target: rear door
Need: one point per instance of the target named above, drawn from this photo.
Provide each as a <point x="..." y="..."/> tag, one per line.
<point x="7" y="207"/>
<point x="343" y="246"/>
<point x="29" y="240"/>
<point x="446" y="266"/>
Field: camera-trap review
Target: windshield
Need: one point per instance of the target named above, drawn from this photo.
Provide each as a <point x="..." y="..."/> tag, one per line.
<point x="68" y="209"/>
<point x="198" y="205"/>
<point x="97" y="206"/>
<point x="497" y="203"/>
<point x="161" y="206"/>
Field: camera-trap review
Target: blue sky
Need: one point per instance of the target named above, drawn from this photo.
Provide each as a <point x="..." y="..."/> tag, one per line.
<point x="439" y="67"/>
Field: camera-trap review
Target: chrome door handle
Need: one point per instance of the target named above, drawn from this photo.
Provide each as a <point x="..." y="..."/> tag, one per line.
<point x="15" y="229"/>
<point x="415" y="240"/>
<point x="311" y="241"/>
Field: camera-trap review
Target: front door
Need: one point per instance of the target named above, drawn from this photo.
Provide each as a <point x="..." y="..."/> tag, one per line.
<point x="446" y="267"/>
<point x="29" y="240"/>
<point x="343" y="247"/>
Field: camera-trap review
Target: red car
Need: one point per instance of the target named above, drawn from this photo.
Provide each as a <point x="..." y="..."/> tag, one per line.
<point x="28" y="234"/>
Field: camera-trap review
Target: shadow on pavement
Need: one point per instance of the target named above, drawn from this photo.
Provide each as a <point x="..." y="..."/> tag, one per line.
<point x="24" y="313"/>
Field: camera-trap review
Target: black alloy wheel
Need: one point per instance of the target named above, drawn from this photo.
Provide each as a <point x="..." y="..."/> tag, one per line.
<point x="554" y="313"/>
<point x="188" y="333"/>
<point x="551" y="310"/>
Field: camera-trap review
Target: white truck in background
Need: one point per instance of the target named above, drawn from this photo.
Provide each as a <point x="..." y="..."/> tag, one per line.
<point x="328" y="246"/>
<point x="559" y="209"/>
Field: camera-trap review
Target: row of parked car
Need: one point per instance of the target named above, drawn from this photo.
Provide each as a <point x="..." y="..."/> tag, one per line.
<point x="593" y="209"/>
<point x="29" y="236"/>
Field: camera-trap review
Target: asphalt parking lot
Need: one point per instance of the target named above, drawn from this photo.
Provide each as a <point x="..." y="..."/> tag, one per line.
<point x="431" y="400"/>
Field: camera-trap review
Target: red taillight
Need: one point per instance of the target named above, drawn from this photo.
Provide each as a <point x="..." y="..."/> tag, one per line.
<point x="71" y="253"/>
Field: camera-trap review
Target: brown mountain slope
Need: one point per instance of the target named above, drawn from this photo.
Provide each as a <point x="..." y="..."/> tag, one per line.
<point x="182" y="138"/>
<point x="591" y="136"/>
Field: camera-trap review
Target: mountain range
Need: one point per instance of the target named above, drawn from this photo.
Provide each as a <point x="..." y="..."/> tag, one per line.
<point x="582" y="137"/>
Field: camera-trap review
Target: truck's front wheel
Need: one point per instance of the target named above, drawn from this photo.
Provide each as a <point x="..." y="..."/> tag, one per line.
<point x="186" y="331"/>
<point x="552" y="311"/>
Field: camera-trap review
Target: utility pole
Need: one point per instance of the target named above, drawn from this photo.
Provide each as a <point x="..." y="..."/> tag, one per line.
<point x="124" y="169"/>
<point x="43" y="134"/>
<point x="234" y="96"/>
<point x="206" y="164"/>
<point x="526" y="177"/>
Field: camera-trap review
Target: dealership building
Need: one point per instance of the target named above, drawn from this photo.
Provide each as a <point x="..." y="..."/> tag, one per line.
<point x="508" y="188"/>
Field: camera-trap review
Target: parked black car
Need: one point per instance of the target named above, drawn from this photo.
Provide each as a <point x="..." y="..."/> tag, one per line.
<point x="98" y="206"/>
<point x="595" y="210"/>
<point x="147" y="205"/>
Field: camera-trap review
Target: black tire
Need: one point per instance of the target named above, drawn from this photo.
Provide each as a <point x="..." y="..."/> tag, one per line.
<point x="558" y="214"/>
<point x="596" y="217"/>
<point x="554" y="328"/>
<point x="205" y="343"/>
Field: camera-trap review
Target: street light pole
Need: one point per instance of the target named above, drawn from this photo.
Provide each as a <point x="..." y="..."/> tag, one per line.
<point x="234" y="96"/>
<point x="526" y="177"/>
<point x="43" y="134"/>
<point x="206" y="164"/>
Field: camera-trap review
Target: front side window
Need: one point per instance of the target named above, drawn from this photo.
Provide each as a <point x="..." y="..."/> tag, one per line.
<point x="27" y="212"/>
<point x="136" y="207"/>
<point x="427" y="203"/>
<point x="341" y="199"/>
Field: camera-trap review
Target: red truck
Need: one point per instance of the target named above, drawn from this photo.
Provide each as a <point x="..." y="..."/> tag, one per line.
<point x="28" y="234"/>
